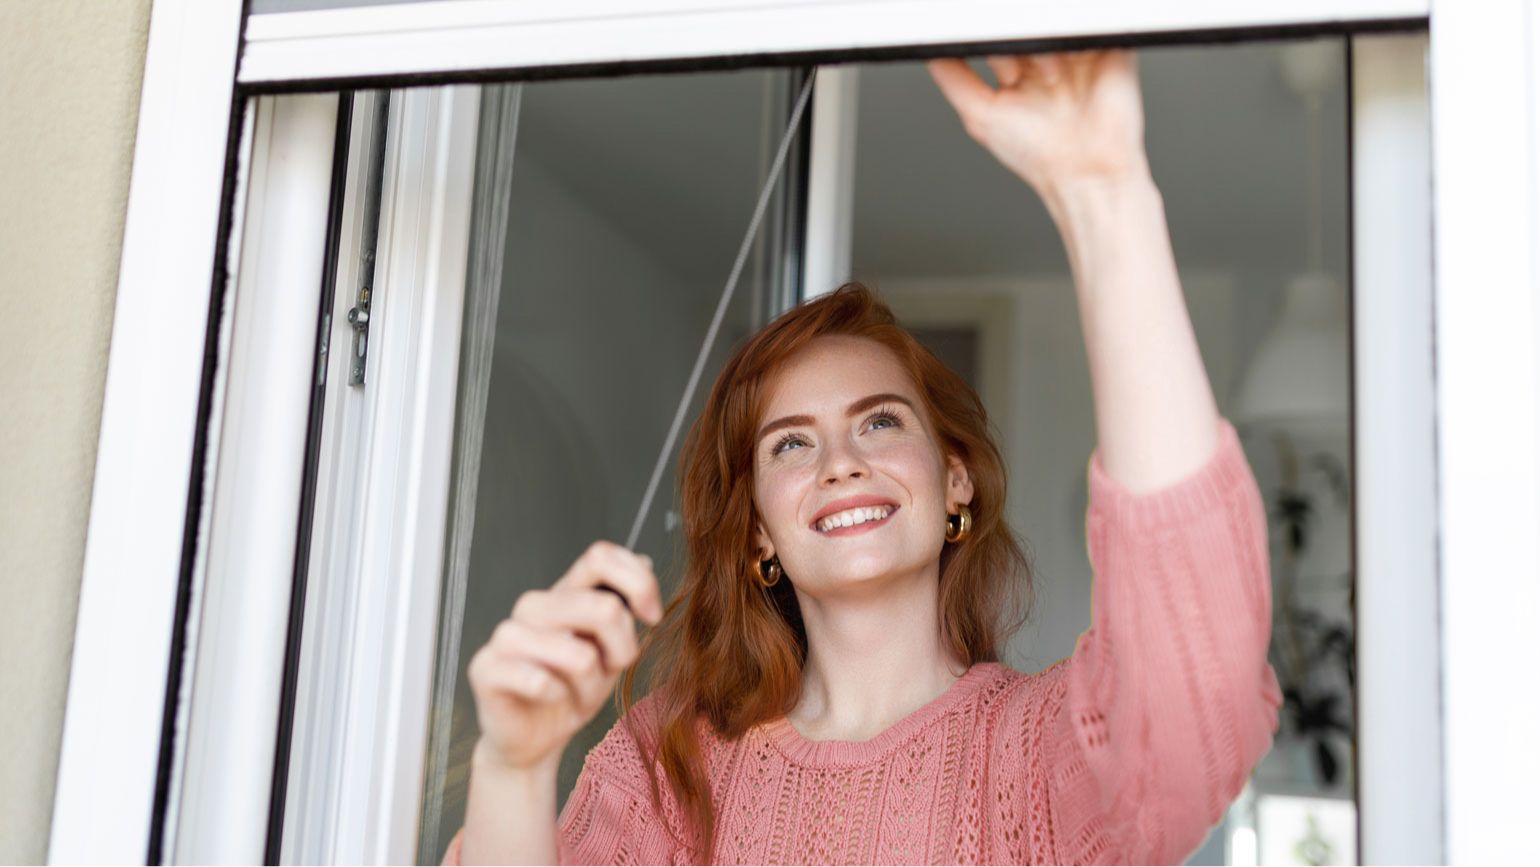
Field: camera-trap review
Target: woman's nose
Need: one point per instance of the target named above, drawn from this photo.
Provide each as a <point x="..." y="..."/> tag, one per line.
<point x="841" y="461"/>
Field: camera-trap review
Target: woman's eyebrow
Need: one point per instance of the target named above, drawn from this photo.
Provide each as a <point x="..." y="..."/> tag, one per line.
<point x="859" y="406"/>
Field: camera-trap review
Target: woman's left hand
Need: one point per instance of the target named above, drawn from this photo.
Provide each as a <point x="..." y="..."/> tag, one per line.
<point x="1056" y="119"/>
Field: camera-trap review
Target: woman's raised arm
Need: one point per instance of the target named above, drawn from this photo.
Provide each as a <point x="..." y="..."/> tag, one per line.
<point x="1072" y="126"/>
<point x="1168" y="701"/>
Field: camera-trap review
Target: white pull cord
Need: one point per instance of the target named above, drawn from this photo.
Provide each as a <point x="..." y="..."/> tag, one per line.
<point x="716" y="320"/>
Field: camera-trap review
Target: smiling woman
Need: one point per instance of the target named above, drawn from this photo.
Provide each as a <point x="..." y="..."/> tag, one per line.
<point x="827" y="684"/>
<point x="859" y="695"/>
<point x="879" y="617"/>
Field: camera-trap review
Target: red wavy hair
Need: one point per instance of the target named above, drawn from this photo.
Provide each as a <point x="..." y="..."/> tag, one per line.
<point x="729" y="652"/>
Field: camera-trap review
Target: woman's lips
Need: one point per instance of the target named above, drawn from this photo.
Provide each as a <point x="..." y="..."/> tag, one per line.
<point x="862" y="527"/>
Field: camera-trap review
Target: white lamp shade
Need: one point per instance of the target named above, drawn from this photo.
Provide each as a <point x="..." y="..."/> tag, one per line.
<point x="1301" y="370"/>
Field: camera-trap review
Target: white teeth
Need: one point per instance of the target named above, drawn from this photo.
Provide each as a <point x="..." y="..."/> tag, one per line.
<point x="851" y="517"/>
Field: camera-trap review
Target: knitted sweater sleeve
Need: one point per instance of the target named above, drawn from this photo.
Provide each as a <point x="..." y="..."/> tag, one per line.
<point x="1168" y="701"/>
<point x="609" y="817"/>
<point x="607" y="822"/>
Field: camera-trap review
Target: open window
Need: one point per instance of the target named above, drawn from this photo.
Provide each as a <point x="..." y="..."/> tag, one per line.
<point x="444" y="270"/>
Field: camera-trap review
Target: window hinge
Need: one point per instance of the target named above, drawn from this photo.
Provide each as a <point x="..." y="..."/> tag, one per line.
<point x="325" y="349"/>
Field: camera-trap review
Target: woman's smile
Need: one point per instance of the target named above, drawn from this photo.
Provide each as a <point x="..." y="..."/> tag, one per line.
<point x="849" y="522"/>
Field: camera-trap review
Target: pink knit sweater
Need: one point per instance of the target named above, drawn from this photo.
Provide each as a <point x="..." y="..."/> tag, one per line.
<point x="1128" y="751"/>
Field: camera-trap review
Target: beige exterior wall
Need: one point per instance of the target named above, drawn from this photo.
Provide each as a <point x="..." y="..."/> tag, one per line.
<point x="69" y="103"/>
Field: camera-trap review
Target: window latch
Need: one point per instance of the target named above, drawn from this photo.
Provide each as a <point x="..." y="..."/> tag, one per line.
<point x="358" y="317"/>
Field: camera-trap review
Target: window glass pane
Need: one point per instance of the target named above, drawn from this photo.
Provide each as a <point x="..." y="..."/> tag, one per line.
<point x="627" y="203"/>
<point x="1248" y="144"/>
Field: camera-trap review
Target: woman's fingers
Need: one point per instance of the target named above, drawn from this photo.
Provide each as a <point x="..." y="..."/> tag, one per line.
<point x="1124" y="60"/>
<point x="576" y="661"/>
<point x="969" y="94"/>
<point x="599" y="616"/>
<point x="1050" y="68"/>
<point x="490" y="672"/>
<point x="1079" y="69"/>
<point x="549" y="666"/>
<point x="554" y="648"/>
<point x="1083" y="67"/>
<point x="624" y="571"/>
<point x="529" y="681"/>
<point x="1006" y="67"/>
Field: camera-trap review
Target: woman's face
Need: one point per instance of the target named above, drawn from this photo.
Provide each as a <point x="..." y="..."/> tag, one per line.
<point x="849" y="479"/>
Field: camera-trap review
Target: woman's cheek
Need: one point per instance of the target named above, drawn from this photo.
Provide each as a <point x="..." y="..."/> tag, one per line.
<point x="908" y="456"/>
<point x="778" y="490"/>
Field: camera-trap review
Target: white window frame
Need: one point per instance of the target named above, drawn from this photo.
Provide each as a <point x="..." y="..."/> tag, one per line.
<point x="1395" y="522"/>
<point x="1450" y="759"/>
<point x="361" y="722"/>
<point x="473" y="35"/>
<point x="222" y="772"/>
<point x="145" y="452"/>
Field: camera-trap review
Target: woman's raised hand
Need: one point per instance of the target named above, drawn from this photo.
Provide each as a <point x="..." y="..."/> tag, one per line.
<point x="549" y="667"/>
<point x="1055" y="119"/>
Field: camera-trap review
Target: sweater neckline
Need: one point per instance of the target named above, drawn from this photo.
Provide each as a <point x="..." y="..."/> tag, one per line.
<point x="810" y="753"/>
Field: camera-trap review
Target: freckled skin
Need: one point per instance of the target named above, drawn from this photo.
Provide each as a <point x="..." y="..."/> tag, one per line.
<point x="841" y="456"/>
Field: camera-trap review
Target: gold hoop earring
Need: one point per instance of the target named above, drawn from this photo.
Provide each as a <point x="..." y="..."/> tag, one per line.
<point x="769" y="572"/>
<point x="958" y="526"/>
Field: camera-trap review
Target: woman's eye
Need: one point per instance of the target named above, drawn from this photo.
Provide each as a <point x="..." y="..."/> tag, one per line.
<point x="785" y="443"/>
<point x="883" y="420"/>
